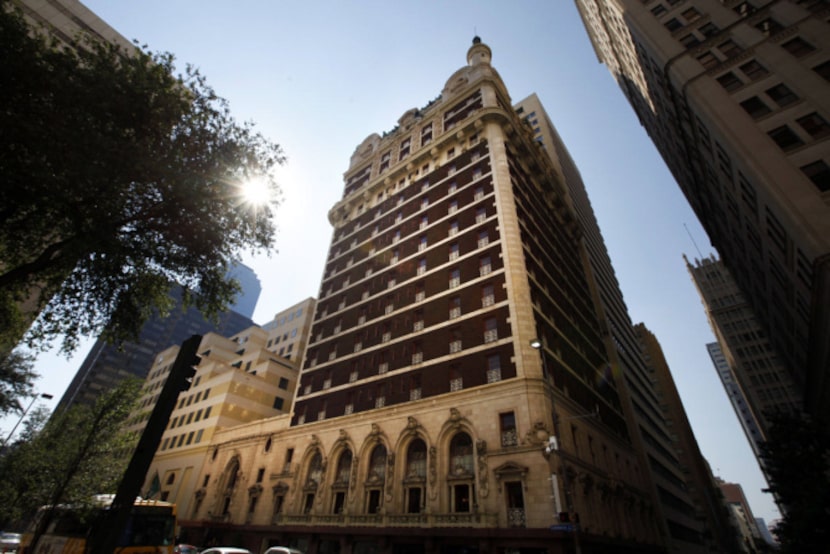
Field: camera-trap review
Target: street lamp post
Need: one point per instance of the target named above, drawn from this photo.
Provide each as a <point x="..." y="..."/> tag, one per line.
<point x="555" y="446"/>
<point x="23" y="415"/>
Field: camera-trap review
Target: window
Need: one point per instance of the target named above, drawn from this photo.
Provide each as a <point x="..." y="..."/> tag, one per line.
<point x="479" y="193"/>
<point x="708" y="30"/>
<point x="658" y="10"/>
<point x="483" y="239"/>
<point x="769" y="26"/>
<point x="455" y="278"/>
<point x="730" y="82"/>
<point x="455" y="307"/>
<point x="424" y="222"/>
<point x="453" y="228"/>
<point x="507" y="424"/>
<point x="344" y="469"/>
<point x="454" y="251"/>
<point x="461" y="454"/>
<point x="744" y="9"/>
<point x="823" y="69"/>
<point x="422" y="244"/>
<point x="689" y="41"/>
<point x="754" y="70"/>
<point x="418" y="324"/>
<point x="422" y="266"/>
<point x="673" y="24"/>
<point x="691" y="15"/>
<point x="819" y="173"/>
<point x="798" y="47"/>
<point x="488" y="297"/>
<point x="278" y="403"/>
<point x="708" y="60"/>
<point x="815" y="125"/>
<point x="453" y="207"/>
<point x="456" y="381"/>
<point x="493" y="368"/>
<point x="781" y="95"/>
<point x="484" y="265"/>
<point x="755" y="107"/>
<point x="426" y="134"/>
<point x="785" y="138"/>
<point x="416" y="460"/>
<point x="491" y="330"/>
<point x="377" y="465"/>
<point x="283" y="383"/>
<point x="515" y="504"/>
<point x="455" y="341"/>
<point x="415" y="387"/>
<point x="729" y="49"/>
<point x="481" y="215"/>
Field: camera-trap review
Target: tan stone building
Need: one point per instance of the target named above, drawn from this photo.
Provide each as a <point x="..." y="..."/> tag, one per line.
<point x="250" y="376"/>
<point x="426" y="420"/>
<point x="735" y="95"/>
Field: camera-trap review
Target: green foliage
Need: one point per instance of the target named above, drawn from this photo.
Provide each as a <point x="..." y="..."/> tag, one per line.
<point x="797" y="458"/>
<point x="16" y="379"/>
<point x="119" y="179"/>
<point x="76" y="455"/>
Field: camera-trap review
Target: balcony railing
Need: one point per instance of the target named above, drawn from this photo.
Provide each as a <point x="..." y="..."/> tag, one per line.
<point x="479" y="520"/>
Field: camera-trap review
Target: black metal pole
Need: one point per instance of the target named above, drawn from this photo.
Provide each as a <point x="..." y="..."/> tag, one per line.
<point x="105" y="538"/>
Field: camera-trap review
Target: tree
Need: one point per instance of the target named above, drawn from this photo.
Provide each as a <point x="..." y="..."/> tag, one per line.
<point x="16" y="379"/>
<point x="76" y="455"/>
<point x="120" y="179"/>
<point x="796" y="456"/>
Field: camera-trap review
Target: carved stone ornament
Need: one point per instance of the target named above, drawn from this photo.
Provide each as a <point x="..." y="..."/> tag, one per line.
<point x="280" y="488"/>
<point x="375" y="431"/>
<point x="344" y="436"/>
<point x="412" y="423"/>
<point x="255" y="489"/>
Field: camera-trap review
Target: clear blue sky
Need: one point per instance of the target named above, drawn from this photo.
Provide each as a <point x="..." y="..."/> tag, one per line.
<point x="318" y="77"/>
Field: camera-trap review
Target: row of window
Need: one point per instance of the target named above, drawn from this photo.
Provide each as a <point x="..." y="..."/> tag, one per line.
<point x="190" y="417"/>
<point x="193" y="437"/>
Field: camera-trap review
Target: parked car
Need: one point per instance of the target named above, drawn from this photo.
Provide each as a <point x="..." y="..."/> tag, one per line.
<point x="282" y="550"/>
<point x="9" y="542"/>
<point x="225" y="550"/>
<point x="185" y="549"/>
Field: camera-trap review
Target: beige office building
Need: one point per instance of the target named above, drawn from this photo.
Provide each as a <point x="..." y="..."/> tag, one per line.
<point x="735" y="96"/>
<point x="250" y="376"/>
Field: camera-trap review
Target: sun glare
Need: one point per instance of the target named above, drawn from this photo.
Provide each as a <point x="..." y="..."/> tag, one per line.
<point x="256" y="191"/>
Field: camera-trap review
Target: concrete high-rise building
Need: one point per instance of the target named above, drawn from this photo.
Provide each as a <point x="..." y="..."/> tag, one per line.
<point x="765" y="383"/>
<point x="737" y="398"/>
<point x="699" y="483"/>
<point x="240" y="379"/>
<point x="750" y="535"/>
<point x="682" y="519"/>
<point x="426" y="419"/>
<point x="250" y="288"/>
<point x="735" y="96"/>
<point x="106" y="365"/>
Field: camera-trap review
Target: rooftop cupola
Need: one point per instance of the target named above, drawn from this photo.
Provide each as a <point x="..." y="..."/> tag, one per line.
<point x="479" y="53"/>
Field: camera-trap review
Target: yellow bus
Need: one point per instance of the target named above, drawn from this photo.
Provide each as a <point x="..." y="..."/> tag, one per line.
<point x="150" y="529"/>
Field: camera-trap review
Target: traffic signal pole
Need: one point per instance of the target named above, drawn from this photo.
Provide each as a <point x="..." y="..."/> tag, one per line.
<point x="105" y="539"/>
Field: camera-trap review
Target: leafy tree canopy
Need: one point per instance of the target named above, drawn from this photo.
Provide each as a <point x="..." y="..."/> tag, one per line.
<point x="16" y="378"/>
<point x="75" y="455"/>
<point x="796" y="456"/>
<point x="119" y="179"/>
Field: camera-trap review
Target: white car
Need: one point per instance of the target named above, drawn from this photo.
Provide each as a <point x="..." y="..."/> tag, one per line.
<point x="282" y="550"/>
<point x="225" y="550"/>
<point x="9" y="542"/>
